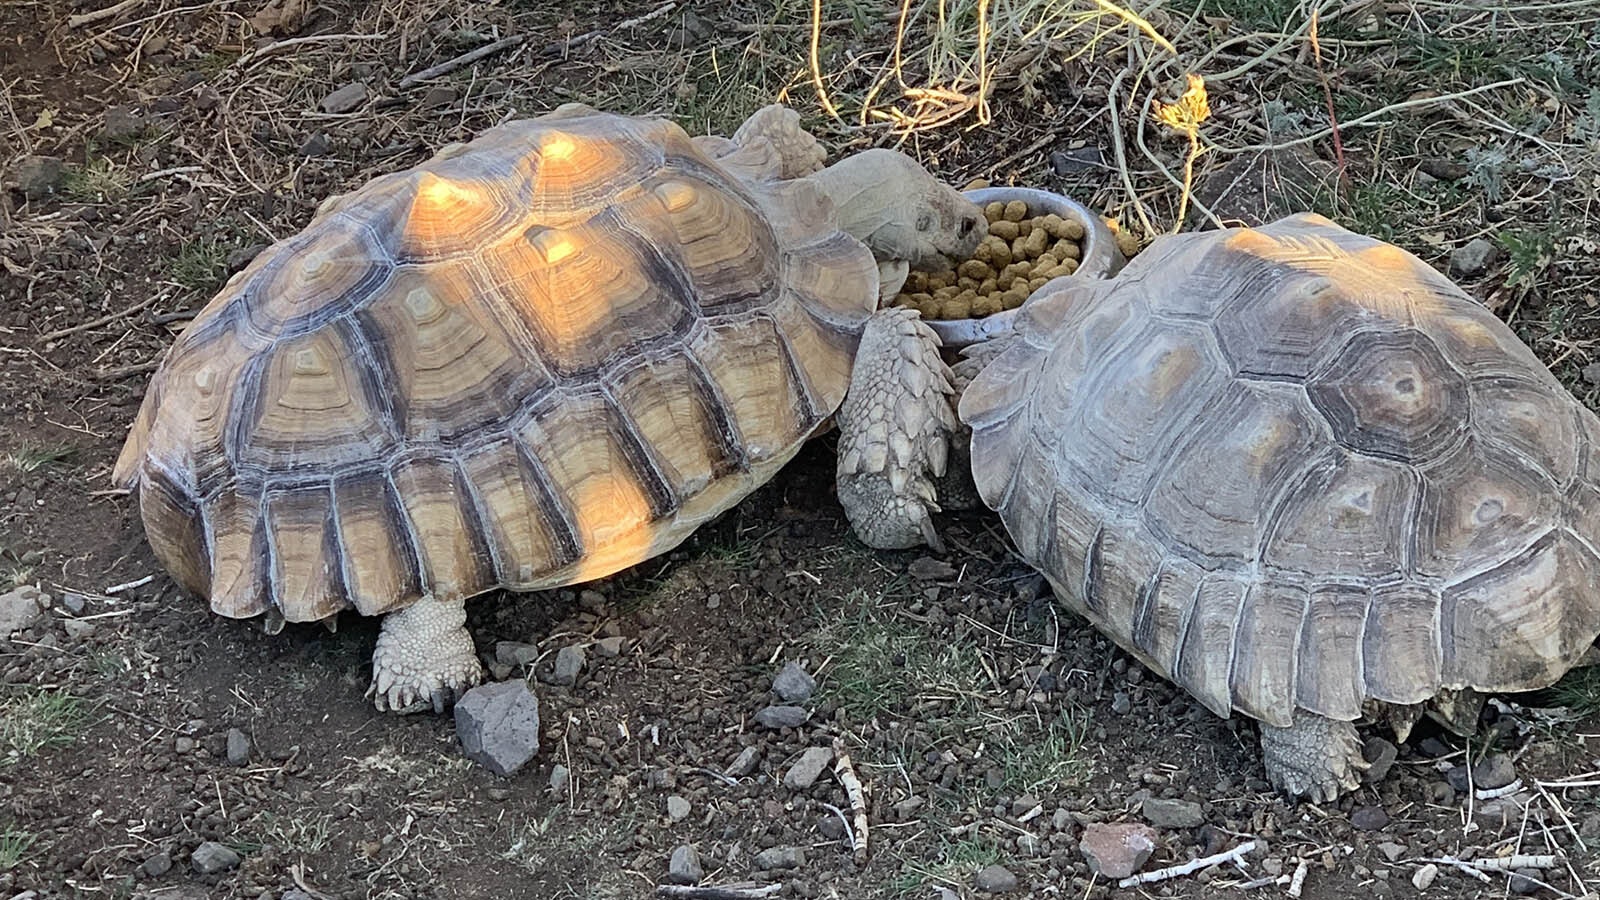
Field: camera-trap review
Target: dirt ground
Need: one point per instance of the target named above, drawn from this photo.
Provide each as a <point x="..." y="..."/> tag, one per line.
<point x="989" y="726"/>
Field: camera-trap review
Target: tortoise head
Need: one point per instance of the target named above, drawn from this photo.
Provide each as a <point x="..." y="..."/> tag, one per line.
<point x="900" y="211"/>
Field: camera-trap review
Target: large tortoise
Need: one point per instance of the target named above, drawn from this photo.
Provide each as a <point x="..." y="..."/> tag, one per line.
<point x="1301" y="474"/>
<point x="534" y="360"/>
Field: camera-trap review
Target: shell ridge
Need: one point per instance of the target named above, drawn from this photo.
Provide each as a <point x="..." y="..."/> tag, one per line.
<point x="646" y="470"/>
<point x="563" y="527"/>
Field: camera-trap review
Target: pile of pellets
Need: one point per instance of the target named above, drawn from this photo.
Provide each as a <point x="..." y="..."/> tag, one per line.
<point x="1020" y="254"/>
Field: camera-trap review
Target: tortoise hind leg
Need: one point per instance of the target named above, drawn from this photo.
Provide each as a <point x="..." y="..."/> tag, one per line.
<point x="1315" y="757"/>
<point x="425" y="657"/>
<point x="894" y="432"/>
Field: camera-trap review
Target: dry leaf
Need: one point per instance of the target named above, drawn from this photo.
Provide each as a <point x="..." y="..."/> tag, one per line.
<point x="280" y="17"/>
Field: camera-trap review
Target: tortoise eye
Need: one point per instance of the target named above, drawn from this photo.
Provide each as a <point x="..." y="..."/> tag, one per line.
<point x="924" y="222"/>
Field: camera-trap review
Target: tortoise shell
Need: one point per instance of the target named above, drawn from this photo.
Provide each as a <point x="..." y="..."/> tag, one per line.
<point x="1294" y="467"/>
<point x="532" y="360"/>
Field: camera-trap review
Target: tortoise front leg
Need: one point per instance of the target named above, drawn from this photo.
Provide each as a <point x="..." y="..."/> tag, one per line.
<point x="1315" y="757"/>
<point x="425" y="657"/>
<point x="894" y="432"/>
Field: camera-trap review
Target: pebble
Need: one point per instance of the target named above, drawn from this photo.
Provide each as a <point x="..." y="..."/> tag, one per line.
<point x="1369" y="818"/>
<point x="591" y="599"/>
<point x="926" y="568"/>
<point x="1432" y="746"/>
<point x="1591" y="373"/>
<point x="684" y="867"/>
<point x="440" y="96"/>
<point x="808" y="768"/>
<point x="560" y="777"/>
<point x="744" y="763"/>
<point x="78" y="629"/>
<point x="677" y="808"/>
<point x="238" y="747"/>
<point x="1493" y="772"/>
<point x="157" y="865"/>
<point x="569" y="662"/>
<point x="345" y="98"/>
<point x="1472" y="258"/>
<point x="782" y="717"/>
<point x="498" y="725"/>
<point x="995" y="879"/>
<point x="1117" y="851"/>
<point x="37" y="177"/>
<point x="1526" y="881"/>
<point x="20" y="607"/>
<point x="1392" y="851"/>
<point x="1380" y="756"/>
<point x="1500" y="813"/>
<point x="317" y="144"/>
<point x="1590" y="829"/>
<point x="74" y="603"/>
<point x="1424" y="876"/>
<point x="1121" y="704"/>
<point x="295" y="894"/>
<point x="1080" y="159"/>
<point x="211" y="857"/>
<point x="793" y="684"/>
<point x="1172" y="813"/>
<point x="610" y="647"/>
<point x="515" y="653"/>
<point x="122" y="123"/>
<point x="780" y="858"/>
<point x="182" y="745"/>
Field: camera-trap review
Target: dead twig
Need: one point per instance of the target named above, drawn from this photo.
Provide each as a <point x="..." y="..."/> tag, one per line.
<point x="465" y="59"/>
<point x="731" y="892"/>
<point x="1190" y="867"/>
<point x="105" y="319"/>
<point x="845" y="771"/>
<point x="256" y="56"/>
<point x="89" y="18"/>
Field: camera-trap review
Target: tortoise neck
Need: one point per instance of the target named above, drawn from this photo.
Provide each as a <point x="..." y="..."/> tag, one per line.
<point x="863" y="199"/>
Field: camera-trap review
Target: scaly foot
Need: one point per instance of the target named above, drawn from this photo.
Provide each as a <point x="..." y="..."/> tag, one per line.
<point x="425" y="658"/>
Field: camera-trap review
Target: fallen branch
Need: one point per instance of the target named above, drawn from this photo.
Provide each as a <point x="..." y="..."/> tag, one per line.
<point x="128" y="585"/>
<point x="731" y="892"/>
<point x="1190" y="867"/>
<point x="255" y="56"/>
<point x="121" y="372"/>
<point x="1298" y="882"/>
<point x="465" y="59"/>
<point x="89" y="18"/>
<point x="846" y="773"/>
<point x="106" y="319"/>
<point x="1518" y="861"/>
<point x="168" y="173"/>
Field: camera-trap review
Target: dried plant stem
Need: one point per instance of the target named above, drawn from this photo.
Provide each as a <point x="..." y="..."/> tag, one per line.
<point x="1188" y="868"/>
<point x="89" y="18"/>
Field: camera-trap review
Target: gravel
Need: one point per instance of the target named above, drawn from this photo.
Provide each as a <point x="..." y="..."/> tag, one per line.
<point x="744" y="763"/>
<point x="1117" y="851"/>
<point x="345" y="99"/>
<point x="684" y="867"/>
<point x="498" y="725"/>
<point x="1495" y="771"/>
<point x="1473" y="258"/>
<point x="157" y="865"/>
<point x="569" y="663"/>
<point x="995" y="879"/>
<point x="37" y="177"/>
<point x="782" y="717"/>
<point x="780" y="858"/>
<point x="20" y="608"/>
<point x="1172" y="813"/>
<point x="793" y="684"/>
<point x="808" y="768"/>
<point x="678" y="808"/>
<point x="211" y="857"/>
<point x="238" y="747"/>
<point x="1369" y="818"/>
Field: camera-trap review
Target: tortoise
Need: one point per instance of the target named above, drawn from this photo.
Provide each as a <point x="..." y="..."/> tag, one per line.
<point x="536" y="359"/>
<point x="1301" y="474"/>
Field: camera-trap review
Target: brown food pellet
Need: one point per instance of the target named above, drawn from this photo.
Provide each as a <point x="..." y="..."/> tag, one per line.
<point x="1036" y="282"/>
<point x="955" y="309"/>
<point x="1035" y="243"/>
<point x="967" y="284"/>
<point x="989" y="286"/>
<point x="1000" y="254"/>
<point x="1005" y="230"/>
<point x="1127" y="244"/>
<point x="1013" y="299"/>
<point x="1016" y="211"/>
<point x="994" y="212"/>
<point x="984" y="249"/>
<point x="940" y="280"/>
<point x="946" y="292"/>
<point x="975" y="269"/>
<point x="1066" y="249"/>
<point x="1025" y="228"/>
<point x="987" y="305"/>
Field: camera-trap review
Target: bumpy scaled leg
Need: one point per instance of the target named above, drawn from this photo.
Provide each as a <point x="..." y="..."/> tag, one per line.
<point x="778" y="125"/>
<point x="425" y="658"/>
<point x="1316" y="757"/>
<point x="894" y="432"/>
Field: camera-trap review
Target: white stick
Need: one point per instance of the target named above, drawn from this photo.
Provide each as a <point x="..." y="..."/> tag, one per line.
<point x="90" y="18"/>
<point x="732" y="892"/>
<point x="1519" y="861"/>
<point x="1493" y="793"/>
<point x="1190" y="867"/>
<point x="129" y="585"/>
<point x="846" y="773"/>
<point x="1298" y="882"/>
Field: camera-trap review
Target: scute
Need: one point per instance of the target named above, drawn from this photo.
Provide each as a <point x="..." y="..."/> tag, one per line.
<point x="531" y="360"/>
<point x="1391" y="394"/>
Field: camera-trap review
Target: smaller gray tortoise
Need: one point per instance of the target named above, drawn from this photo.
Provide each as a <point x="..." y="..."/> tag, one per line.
<point x="1301" y="474"/>
<point x="534" y="360"/>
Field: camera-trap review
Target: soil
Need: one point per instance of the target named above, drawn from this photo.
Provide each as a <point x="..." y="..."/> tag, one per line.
<point x="989" y="726"/>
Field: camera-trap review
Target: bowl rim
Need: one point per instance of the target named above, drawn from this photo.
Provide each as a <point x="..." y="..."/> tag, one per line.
<point x="1100" y="259"/>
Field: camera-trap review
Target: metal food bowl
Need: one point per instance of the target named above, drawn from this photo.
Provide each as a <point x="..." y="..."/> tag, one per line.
<point x="1100" y="258"/>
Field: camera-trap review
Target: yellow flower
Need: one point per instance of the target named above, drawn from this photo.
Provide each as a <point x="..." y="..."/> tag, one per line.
<point x="1191" y="109"/>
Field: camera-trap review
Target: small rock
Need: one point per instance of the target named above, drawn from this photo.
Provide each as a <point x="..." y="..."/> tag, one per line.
<point x="1591" y="373"/>
<point x="182" y="745"/>
<point x="1424" y="876"/>
<point x="295" y="894"/>
<point x="926" y="568"/>
<point x="793" y="683"/>
<point x="677" y="808"/>
<point x="1501" y="813"/>
<point x="440" y="96"/>
<point x="610" y="647"/>
<point x="1526" y="881"/>
<point x="780" y="858"/>
<point x="1081" y="159"/>
<point x="78" y="629"/>
<point x="945" y="893"/>
<point x="782" y="717"/>
<point x="1434" y="747"/>
<point x="744" y="763"/>
<point x="157" y="865"/>
<point x="1117" y="851"/>
<point x="831" y="827"/>
<point x="1590" y="829"/>
<point x="74" y="603"/>
<point x="591" y="599"/>
<point x="569" y="662"/>
<point x="498" y="725"/>
<point x="315" y="145"/>
<point x="1121" y="703"/>
<point x="211" y="857"/>
<point x="1392" y="851"/>
<point x="1369" y="818"/>
<point x="1495" y="771"/>
<point x="37" y="177"/>
<point x="808" y="768"/>
<point x="515" y="653"/>
<point x="1444" y="169"/>
<point x="995" y="879"/>
<point x="1061" y="819"/>
<point x="560" y="777"/>
<point x="1380" y="756"/>
<point x="344" y="99"/>
<point x="19" y="608"/>
<point x="1172" y="813"/>
<point x="1473" y="258"/>
<point x="238" y="747"/>
<point x="123" y="123"/>
<point x="684" y="867"/>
